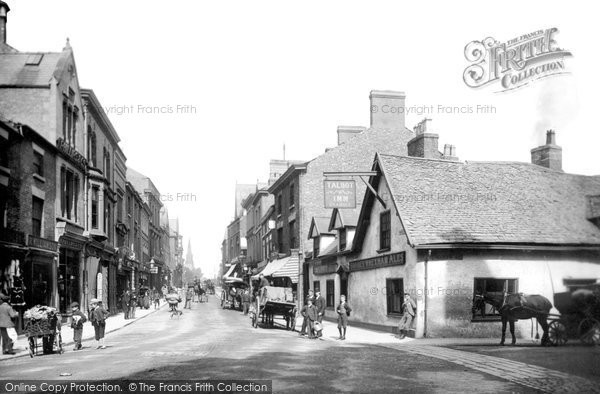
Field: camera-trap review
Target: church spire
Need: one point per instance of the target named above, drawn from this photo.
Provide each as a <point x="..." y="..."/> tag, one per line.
<point x="189" y="257"/>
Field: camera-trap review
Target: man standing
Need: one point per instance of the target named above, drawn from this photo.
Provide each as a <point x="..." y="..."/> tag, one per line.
<point x="98" y="318"/>
<point x="343" y="310"/>
<point x="125" y="303"/>
<point x="311" y="297"/>
<point x="7" y="326"/>
<point x="189" y="296"/>
<point x="246" y="298"/>
<point x="320" y="306"/>
<point x="408" y="307"/>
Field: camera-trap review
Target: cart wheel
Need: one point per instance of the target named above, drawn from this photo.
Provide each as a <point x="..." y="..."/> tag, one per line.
<point x="557" y="333"/>
<point x="589" y="331"/>
<point x="31" y="347"/>
<point x="293" y="318"/>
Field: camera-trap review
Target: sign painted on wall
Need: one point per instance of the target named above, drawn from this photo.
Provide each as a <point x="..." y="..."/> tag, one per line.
<point x="340" y="194"/>
<point x="323" y="269"/>
<point x="386" y="260"/>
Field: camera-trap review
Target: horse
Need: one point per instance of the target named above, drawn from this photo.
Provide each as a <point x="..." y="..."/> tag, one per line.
<point x="514" y="307"/>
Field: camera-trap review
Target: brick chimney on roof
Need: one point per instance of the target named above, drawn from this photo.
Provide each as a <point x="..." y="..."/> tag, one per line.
<point x="4" y="8"/>
<point x="347" y="132"/>
<point x="425" y="143"/>
<point x="549" y="155"/>
<point x="387" y="109"/>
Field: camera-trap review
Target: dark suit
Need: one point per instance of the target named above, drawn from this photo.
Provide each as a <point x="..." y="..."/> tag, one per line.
<point x="310" y="316"/>
<point x="304" y="322"/>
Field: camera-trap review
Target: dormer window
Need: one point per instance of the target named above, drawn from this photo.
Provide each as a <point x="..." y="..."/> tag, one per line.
<point x="343" y="238"/>
<point x="316" y="247"/>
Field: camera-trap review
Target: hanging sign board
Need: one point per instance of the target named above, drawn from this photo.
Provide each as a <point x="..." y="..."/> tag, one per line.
<point x="340" y="194"/>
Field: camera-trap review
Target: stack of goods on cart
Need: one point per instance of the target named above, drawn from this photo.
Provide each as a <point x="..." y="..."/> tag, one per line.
<point x="40" y="312"/>
<point x="280" y="294"/>
<point x="41" y="320"/>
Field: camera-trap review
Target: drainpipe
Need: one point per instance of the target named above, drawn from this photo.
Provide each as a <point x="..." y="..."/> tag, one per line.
<point x="427" y="257"/>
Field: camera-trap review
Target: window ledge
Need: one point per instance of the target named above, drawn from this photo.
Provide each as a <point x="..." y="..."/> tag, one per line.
<point x="39" y="178"/>
<point x="383" y="250"/>
<point x="395" y="314"/>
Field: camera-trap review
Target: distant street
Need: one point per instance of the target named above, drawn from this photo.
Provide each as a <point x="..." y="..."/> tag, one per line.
<point x="211" y="343"/>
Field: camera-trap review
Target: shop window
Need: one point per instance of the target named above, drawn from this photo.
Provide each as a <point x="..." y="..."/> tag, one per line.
<point x="316" y="286"/>
<point x="330" y="293"/>
<point x="492" y="285"/>
<point x="385" y="230"/>
<point x="37" y="212"/>
<point x="38" y="163"/>
<point x="394" y="293"/>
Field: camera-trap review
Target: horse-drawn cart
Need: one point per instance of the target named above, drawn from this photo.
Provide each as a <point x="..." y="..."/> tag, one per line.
<point x="231" y="295"/>
<point x="579" y="317"/>
<point x="274" y="302"/>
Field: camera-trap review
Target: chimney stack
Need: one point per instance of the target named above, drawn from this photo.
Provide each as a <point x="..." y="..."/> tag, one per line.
<point x="425" y="143"/>
<point x="4" y="8"/>
<point x="450" y="152"/>
<point x="387" y="109"/>
<point x="549" y="155"/>
<point x="347" y="132"/>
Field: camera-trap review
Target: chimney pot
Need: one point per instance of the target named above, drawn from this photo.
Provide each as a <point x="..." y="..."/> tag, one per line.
<point x="550" y="137"/>
<point x="549" y="155"/>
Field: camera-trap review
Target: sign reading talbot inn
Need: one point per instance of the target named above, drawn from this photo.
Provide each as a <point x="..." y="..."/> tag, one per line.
<point x="340" y="194"/>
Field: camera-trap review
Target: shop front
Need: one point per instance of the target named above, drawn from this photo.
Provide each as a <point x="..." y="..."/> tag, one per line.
<point x="70" y="276"/>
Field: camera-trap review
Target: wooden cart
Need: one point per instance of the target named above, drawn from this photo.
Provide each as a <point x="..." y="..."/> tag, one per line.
<point x="270" y="305"/>
<point x="579" y="317"/>
<point x="48" y="330"/>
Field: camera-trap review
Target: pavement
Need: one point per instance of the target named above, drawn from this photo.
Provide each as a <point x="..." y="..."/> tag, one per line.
<point x="113" y="323"/>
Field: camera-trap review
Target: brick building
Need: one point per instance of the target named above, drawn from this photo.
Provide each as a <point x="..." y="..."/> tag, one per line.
<point x="28" y="252"/>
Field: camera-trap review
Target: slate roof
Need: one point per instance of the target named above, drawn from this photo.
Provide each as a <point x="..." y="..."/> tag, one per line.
<point x="15" y="71"/>
<point x="443" y="202"/>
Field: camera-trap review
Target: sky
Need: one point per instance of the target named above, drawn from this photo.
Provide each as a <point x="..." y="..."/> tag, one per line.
<point x="204" y="93"/>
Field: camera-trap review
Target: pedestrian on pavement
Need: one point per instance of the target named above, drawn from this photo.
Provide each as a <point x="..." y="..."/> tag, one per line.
<point x="125" y="303"/>
<point x="189" y="296"/>
<point x="156" y="296"/>
<point x="343" y="310"/>
<point x="310" y="316"/>
<point x="311" y="296"/>
<point x="320" y="304"/>
<point x="408" y="309"/>
<point x="246" y="299"/>
<point x="77" y="320"/>
<point x="8" y="333"/>
<point x="98" y="318"/>
<point x="132" y="304"/>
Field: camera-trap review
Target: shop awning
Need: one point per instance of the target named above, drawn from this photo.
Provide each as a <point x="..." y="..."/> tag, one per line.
<point x="287" y="266"/>
<point x="230" y="270"/>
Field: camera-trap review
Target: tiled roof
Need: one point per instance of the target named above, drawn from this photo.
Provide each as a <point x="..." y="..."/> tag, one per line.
<point x="348" y="217"/>
<point x="16" y="71"/>
<point x="322" y="226"/>
<point x="490" y="202"/>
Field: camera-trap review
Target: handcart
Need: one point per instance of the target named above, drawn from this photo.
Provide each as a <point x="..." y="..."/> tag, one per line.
<point x="46" y="329"/>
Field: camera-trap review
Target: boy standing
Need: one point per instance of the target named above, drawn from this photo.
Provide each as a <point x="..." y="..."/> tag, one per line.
<point x="310" y="316"/>
<point x="77" y="320"/>
<point x="343" y="310"/>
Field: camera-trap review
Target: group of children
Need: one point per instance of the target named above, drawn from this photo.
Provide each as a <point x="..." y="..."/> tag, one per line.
<point x="98" y="315"/>
<point x="313" y="316"/>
